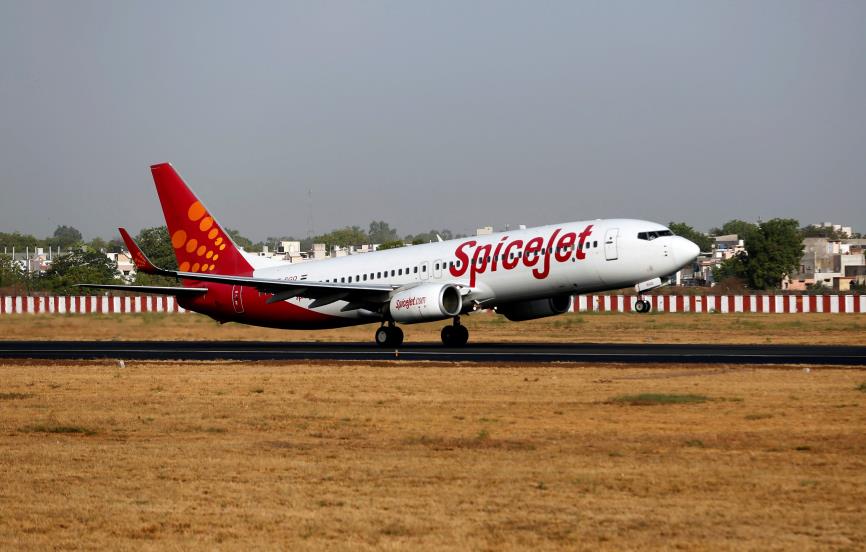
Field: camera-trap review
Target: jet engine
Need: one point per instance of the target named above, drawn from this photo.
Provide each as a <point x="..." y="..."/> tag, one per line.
<point x="425" y="303"/>
<point x="536" y="308"/>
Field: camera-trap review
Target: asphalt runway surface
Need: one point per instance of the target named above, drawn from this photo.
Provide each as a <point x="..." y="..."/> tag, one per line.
<point x="474" y="352"/>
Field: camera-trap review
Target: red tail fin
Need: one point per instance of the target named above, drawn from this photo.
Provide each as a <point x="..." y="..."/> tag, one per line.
<point x="200" y="243"/>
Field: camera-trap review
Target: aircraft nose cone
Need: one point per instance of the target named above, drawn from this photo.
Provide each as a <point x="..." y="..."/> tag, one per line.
<point x="686" y="251"/>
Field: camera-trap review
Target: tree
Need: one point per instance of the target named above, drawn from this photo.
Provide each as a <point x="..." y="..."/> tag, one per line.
<point x="11" y="273"/>
<point x="156" y="244"/>
<point x="431" y="236"/>
<point x="79" y="266"/>
<point x="813" y="231"/>
<point x="682" y="229"/>
<point x="773" y="250"/>
<point x="20" y="242"/>
<point x="739" y="227"/>
<point x="381" y="232"/>
<point x="65" y="237"/>
<point x="242" y="241"/>
<point x="344" y="237"/>
<point x="394" y="244"/>
<point x="735" y="267"/>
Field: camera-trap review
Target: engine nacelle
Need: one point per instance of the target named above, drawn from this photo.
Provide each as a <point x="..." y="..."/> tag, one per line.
<point x="425" y="303"/>
<point x="536" y="308"/>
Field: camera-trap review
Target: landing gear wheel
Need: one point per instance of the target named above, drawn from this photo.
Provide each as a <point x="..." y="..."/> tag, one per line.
<point x="383" y="336"/>
<point x="642" y="306"/>
<point x="389" y="336"/>
<point x="396" y="336"/>
<point x="455" y="336"/>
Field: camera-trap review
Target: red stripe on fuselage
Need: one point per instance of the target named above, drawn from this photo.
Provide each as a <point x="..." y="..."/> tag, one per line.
<point x="217" y="303"/>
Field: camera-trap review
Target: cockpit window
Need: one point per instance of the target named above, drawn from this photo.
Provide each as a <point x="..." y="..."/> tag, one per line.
<point x="654" y="234"/>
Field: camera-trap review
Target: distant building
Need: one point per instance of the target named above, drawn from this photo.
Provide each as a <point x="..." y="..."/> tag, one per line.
<point x="125" y="265"/>
<point x="829" y="263"/>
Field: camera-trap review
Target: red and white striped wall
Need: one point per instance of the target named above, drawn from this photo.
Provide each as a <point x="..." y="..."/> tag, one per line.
<point x="88" y="304"/>
<point x="582" y="303"/>
<point x="726" y="303"/>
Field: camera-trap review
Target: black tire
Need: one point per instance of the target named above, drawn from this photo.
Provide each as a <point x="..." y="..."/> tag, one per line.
<point x="454" y="336"/>
<point x="638" y="306"/>
<point x="646" y="306"/>
<point x="461" y="335"/>
<point x="396" y="336"/>
<point x="383" y="336"/>
<point x="447" y="334"/>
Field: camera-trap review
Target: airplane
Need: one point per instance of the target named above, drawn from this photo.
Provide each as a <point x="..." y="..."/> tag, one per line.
<point x="522" y="274"/>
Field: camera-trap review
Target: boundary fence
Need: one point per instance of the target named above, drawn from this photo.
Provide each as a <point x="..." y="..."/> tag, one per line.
<point x="101" y="304"/>
<point x="89" y="304"/>
<point x="771" y="304"/>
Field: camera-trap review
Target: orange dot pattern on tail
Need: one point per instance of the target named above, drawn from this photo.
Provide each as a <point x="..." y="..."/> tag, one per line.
<point x="207" y="241"/>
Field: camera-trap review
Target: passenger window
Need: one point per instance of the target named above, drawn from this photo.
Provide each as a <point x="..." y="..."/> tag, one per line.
<point x="595" y="244"/>
<point x="416" y="270"/>
<point x="400" y="272"/>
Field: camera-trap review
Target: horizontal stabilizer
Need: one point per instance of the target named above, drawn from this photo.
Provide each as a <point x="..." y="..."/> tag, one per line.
<point x="156" y="290"/>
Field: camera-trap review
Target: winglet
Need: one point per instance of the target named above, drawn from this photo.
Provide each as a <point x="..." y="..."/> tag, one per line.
<point x="142" y="263"/>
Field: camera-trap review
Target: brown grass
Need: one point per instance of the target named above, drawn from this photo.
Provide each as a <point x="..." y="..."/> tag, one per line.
<point x="812" y="328"/>
<point x="289" y="456"/>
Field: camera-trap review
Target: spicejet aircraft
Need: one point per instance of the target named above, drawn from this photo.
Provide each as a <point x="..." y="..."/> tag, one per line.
<point x="524" y="274"/>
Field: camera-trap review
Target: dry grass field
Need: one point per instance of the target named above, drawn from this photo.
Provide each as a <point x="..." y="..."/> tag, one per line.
<point x="426" y="456"/>
<point x="484" y="327"/>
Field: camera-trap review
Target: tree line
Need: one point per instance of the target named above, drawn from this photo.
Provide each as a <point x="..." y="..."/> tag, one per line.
<point x="773" y="249"/>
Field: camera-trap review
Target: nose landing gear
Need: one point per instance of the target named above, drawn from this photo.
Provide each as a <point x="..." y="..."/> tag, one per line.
<point x="455" y="335"/>
<point x="389" y="336"/>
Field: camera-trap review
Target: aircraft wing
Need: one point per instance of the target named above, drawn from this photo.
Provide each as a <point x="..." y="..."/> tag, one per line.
<point x="154" y="290"/>
<point x="322" y="293"/>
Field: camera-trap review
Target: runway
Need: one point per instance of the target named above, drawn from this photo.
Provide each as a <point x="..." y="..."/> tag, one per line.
<point x="479" y="352"/>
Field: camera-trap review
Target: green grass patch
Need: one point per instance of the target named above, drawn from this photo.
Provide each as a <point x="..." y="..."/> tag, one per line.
<point x="57" y="428"/>
<point x="652" y="399"/>
<point x="697" y="443"/>
<point x="14" y="396"/>
<point x="861" y="387"/>
<point x="758" y="416"/>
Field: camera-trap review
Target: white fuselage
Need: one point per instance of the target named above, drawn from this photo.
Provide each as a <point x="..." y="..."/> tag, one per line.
<point x="507" y="267"/>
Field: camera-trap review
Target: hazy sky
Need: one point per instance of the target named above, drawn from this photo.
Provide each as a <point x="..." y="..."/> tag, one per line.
<point x="432" y="114"/>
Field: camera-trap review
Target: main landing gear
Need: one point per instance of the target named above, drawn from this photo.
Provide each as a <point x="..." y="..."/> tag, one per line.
<point x="642" y="306"/>
<point x="389" y="336"/>
<point x="455" y="335"/>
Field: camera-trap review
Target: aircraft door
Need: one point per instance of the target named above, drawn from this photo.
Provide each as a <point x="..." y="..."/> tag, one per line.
<point x="437" y="268"/>
<point x="424" y="270"/>
<point x="237" y="299"/>
<point x="610" y="248"/>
